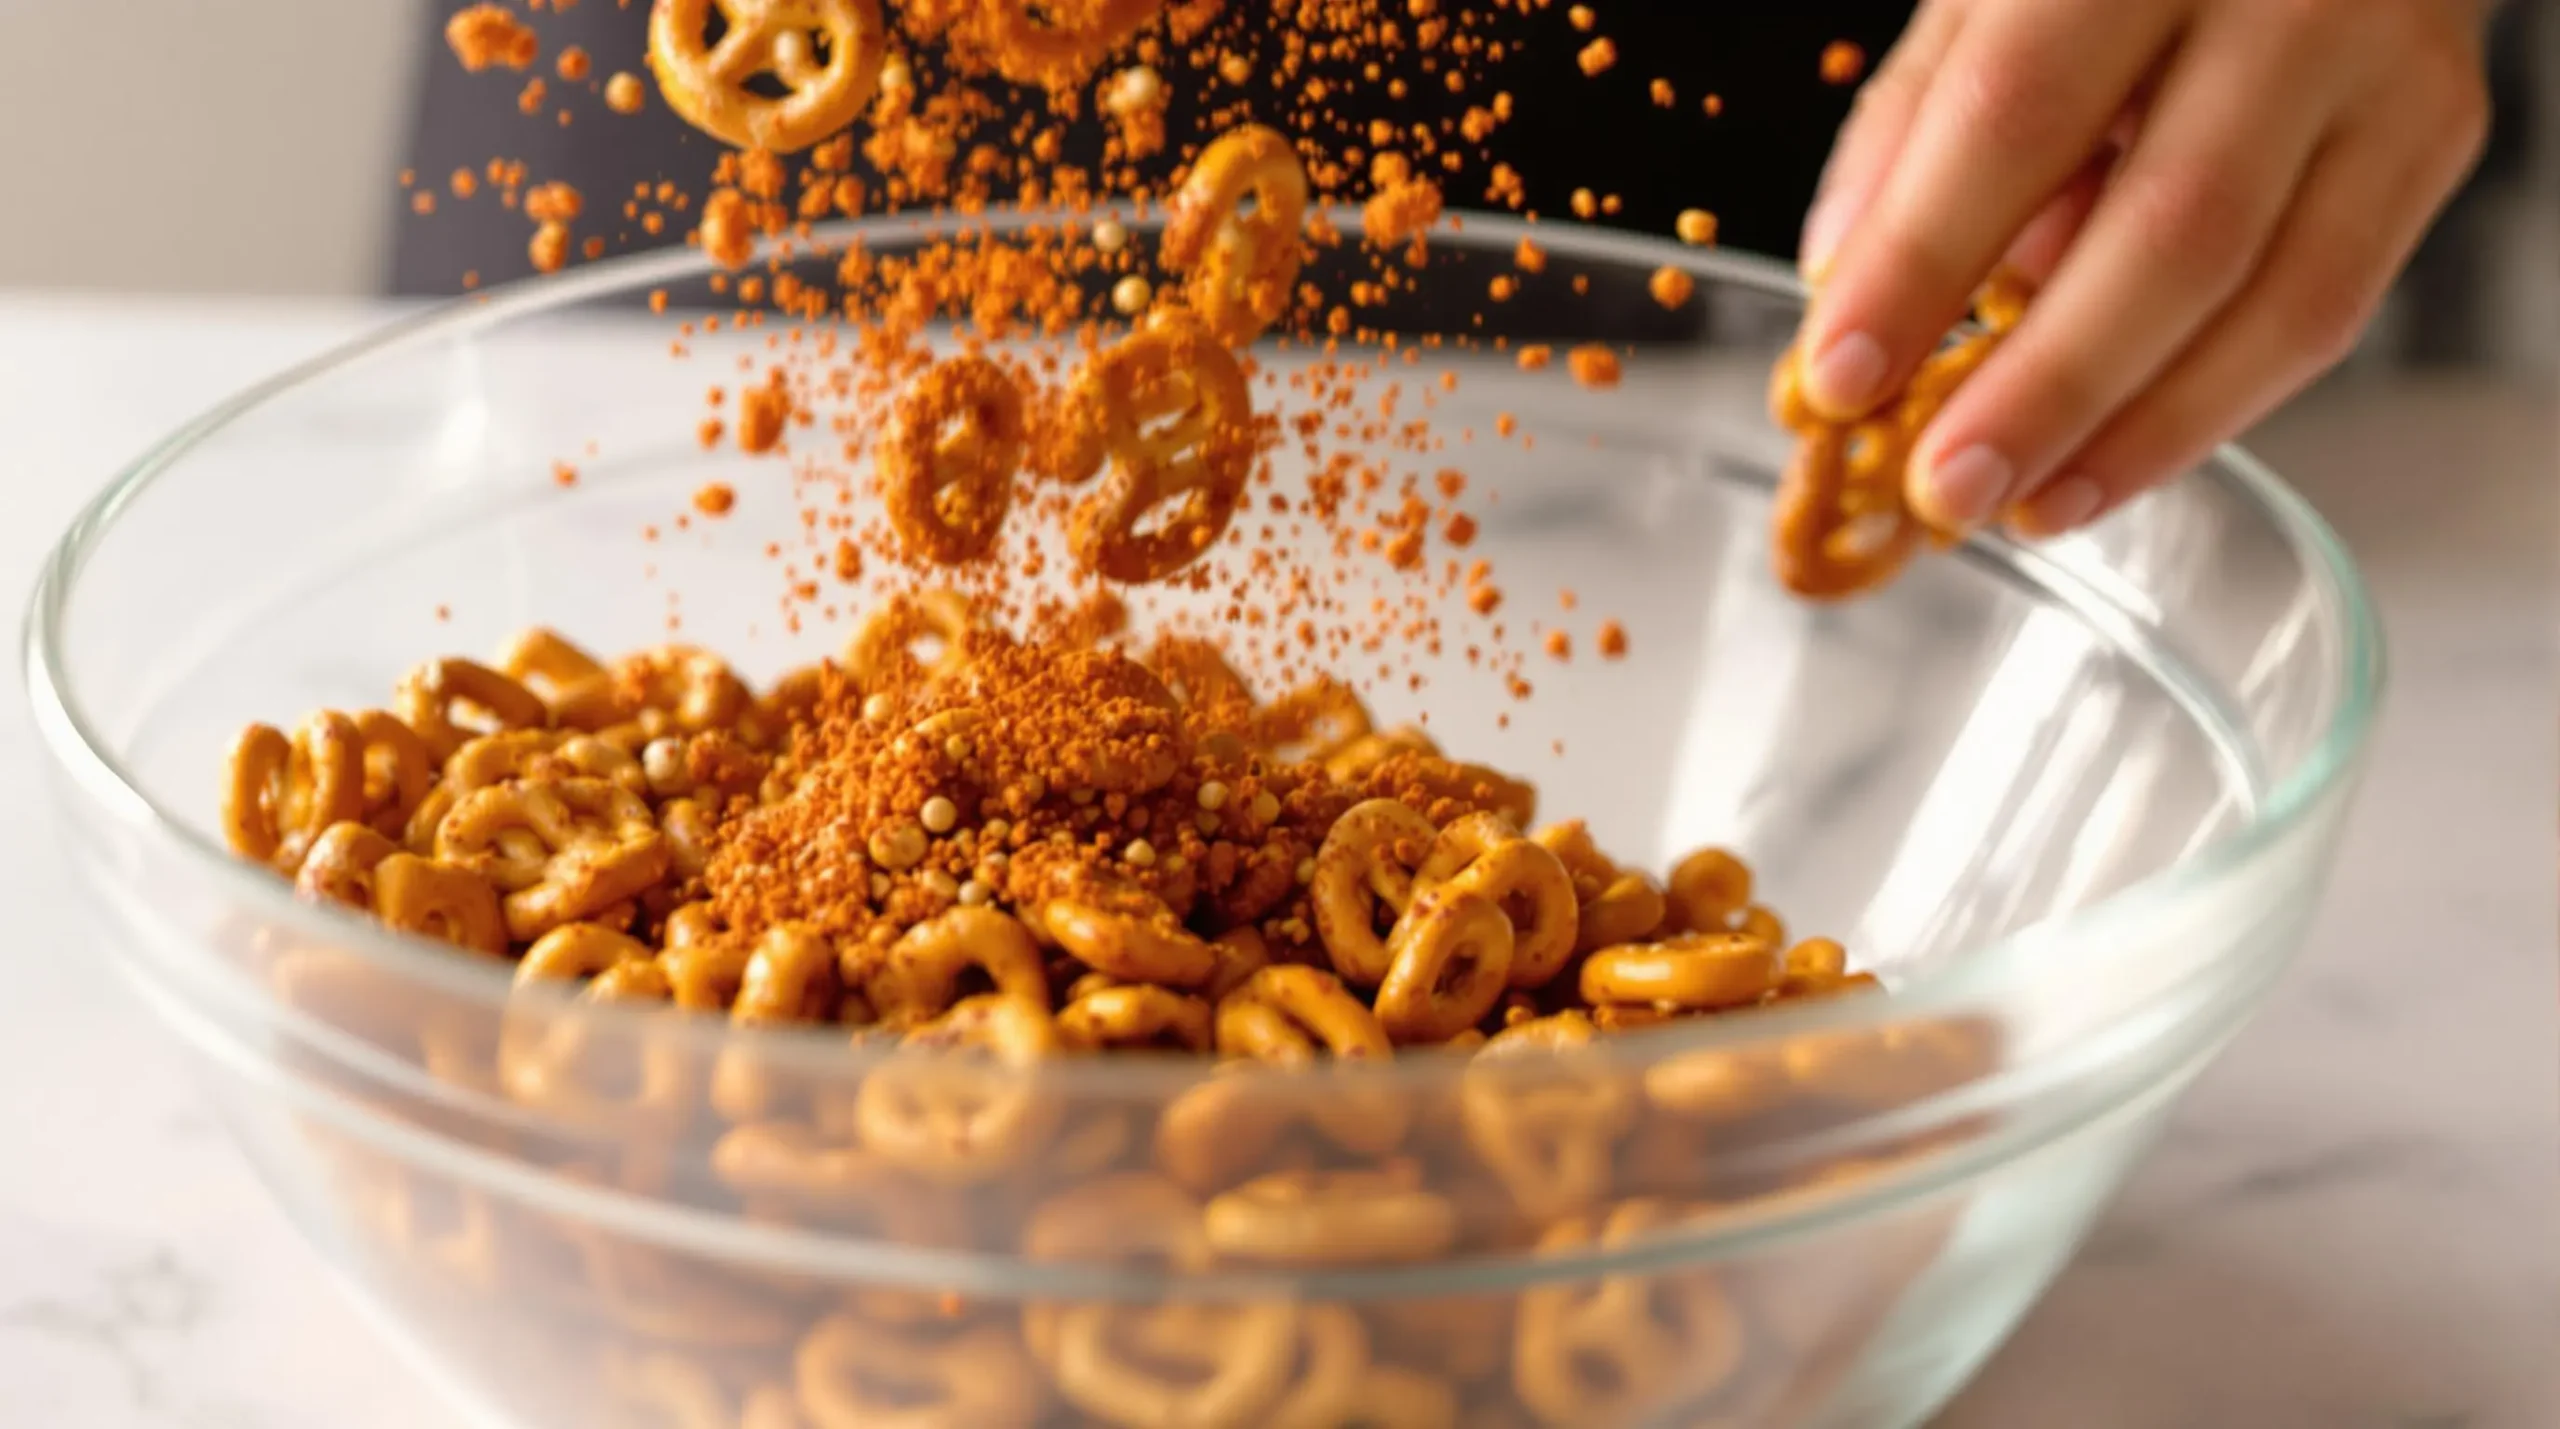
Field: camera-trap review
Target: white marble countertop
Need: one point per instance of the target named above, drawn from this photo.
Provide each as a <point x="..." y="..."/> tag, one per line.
<point x="2354" y="1221"/>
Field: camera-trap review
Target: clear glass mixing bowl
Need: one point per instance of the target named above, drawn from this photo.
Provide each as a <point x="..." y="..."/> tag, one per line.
<point x="2074" y="801"/>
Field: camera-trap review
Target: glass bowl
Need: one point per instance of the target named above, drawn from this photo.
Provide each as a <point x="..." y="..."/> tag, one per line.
<point x="2074" y="802"/>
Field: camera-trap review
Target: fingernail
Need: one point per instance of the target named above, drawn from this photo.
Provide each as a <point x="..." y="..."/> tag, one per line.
<point x="1845" y="381"/>
<point x="1821" y="237"/>
<point x="1964" y="490"/>
<point x="2059" y="508"/>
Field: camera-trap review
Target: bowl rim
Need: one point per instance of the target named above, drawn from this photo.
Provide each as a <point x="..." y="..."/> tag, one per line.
<point x="81" y="756"/>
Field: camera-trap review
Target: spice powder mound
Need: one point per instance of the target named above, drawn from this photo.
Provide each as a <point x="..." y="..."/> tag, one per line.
<point x="1039" y="772"/>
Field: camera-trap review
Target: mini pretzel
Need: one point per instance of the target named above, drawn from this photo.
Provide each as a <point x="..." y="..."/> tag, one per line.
<point x="397" y="768"/>
<point x="1333" y="1372"/>
<point x="1613" y="1350"/>
<point x="920" y="978"/>
<point x="1695" y="971"/>
<point x="1135" y="1018"/>
<point x="434" y="900"/>
<point x="339" y="867"/>
<point x="560" y="849"/>
<point x="1484" y="854"/>
<point x="539" y="754"/>
<point x="695" y="686"/>
<point x="1448" y="960"/>
<point x="448" y="701"/>
<point x="1177" y="424"/>
<point x="790" y="977"/>
<point x="284" y="793"/>
<point x="547" y="663"/>
<point x="1282" y="1014"/>
<point x="1542" y="1119"/>
<point x="545" y="1057"/>
<point x="1843" y="525"/>
<point x="1056" y="43"/>
<point x="883" y="650"/>
<point x="957" y="1121"/>
<point x="1234" y="1361"/>
<point x="954" y="443"/>
<point x="1367" y="861"/>
<point x="1615" y="905"/>
<point x="1322" y="718"/>
<point x="1243" y="266"/>
<point x="781" y="1157"/>
<point x="1708" y="888"/>
<point x="1331" y="1218"/>
<point x="1129" y="947"/>
<point x="1717" y="1084"/>
<point x="709" y="85"/>
<point x="854" y="1375"/>
<point x="1383" y="1397"/>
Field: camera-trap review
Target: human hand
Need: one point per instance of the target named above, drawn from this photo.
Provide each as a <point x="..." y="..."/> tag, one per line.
<point x="2213" y="195"/>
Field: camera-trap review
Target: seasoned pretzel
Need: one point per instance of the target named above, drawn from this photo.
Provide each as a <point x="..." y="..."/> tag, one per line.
<point x="1383" y="1397"/>
<point x="955" y="441"/>
<point x="1367" y="861"/>
<point x="1716" y="1083"/>
<point x="1056" y="43"/>
<point x="547" y="663"/>
<point x="883" y="650"/>
<point x="397" y="768"/>
<point x="1709" y="889"/>
<point x="1332" y="1218"/>
<point x="1545" y="1120"/>
<point x="694" y="686"/>
<point x="549" y="1058"/>
<point x="282" y="793"/>
<point x="560" y="850"/>
<point x="1130" y="947"/>
<point x="1177" y="425"/>
<point x="539" y="754"/>
<point x="1204" y="1364"/>
<point x="1615" y="905"/>
<point x="339" y="867"/>
<point x="920" y="979"/>
<point x="435" y="900"/>
<point x="1886" y="1066"/>
<point x="1241" y="952"/>
<point x="1135" y="1018"/>
<point x="1243" y="266"/>
<point x="1281" y="1015"/>
<point x="1333" y="1370"/>
<point x="1484" y="854"/>
<point x="448" y="701"/>
<point x="1321" y="718"/>
<point x="852" y="1374"/>
<point x="790" y="977"/>
<point x="708" y="85"/>
<point x="1843" y="524"/>
<point x="1695" y="971"/>
<point x="781" y="1157"/>
<point x="960" y="1121"/>
<point x="1448" y="960"/>
<point x="1613" y="1350"/>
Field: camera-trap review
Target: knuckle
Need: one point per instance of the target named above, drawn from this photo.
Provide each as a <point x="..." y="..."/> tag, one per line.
<point x="2200" y="220"/>
<point x="2323" y="308"/>
<point x="2009" y="105"/>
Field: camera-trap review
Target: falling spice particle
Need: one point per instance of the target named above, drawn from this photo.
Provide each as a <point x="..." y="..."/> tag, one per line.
<point x="1672" y="287"/>
<point x="1612" y="640"/>
<point x="1695" y="227"/>
<point x="1843" y="62"/>
<point x="1594" y="365"/>
<point x="715" y="498"/>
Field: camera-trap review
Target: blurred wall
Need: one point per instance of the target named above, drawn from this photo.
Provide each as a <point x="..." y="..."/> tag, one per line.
<point x="239" y="146"/>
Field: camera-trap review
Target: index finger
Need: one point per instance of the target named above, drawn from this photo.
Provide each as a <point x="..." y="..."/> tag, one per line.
<point x="2025" y="94"/>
